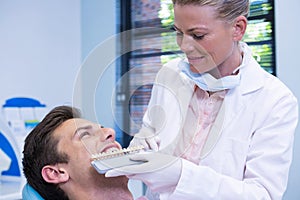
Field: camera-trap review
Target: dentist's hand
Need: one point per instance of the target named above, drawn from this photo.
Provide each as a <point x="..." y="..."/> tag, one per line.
<point x="160" y="172"/>
<point x="147" y="139"/>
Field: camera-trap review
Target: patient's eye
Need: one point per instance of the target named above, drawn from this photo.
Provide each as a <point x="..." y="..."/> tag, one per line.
<point x="84" y="134"/>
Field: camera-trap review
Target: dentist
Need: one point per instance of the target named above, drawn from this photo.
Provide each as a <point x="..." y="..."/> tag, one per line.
<point x="223" y="126"/>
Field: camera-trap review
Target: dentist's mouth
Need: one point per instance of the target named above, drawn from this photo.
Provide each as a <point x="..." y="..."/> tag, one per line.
<point x="193" y="59"/>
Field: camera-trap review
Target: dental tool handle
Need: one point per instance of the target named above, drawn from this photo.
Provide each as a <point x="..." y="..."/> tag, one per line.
<point x="102" y="166"/>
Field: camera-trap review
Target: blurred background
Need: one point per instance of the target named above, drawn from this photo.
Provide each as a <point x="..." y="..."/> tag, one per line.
<point x="77" y="52"/>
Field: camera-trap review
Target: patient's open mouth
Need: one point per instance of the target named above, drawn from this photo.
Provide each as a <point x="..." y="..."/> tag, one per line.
<point x="110" y="148"/>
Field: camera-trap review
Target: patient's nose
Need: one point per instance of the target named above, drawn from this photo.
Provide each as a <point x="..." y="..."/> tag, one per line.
<point x="108" y="134"/>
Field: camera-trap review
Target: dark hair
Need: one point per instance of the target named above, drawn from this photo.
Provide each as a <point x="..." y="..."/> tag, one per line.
<point x="40" y="149"/>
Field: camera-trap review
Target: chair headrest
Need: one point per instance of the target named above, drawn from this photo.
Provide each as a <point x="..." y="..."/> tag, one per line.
<point x="28" y="193"/>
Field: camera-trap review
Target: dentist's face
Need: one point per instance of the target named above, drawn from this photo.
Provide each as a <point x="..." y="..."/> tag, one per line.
<point x="71" y="135"/>
<point x="207" y="41"/>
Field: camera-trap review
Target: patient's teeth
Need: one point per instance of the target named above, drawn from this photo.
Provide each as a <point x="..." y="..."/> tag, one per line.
<point x="110" y="150"/>
<point x="115" y="152"/>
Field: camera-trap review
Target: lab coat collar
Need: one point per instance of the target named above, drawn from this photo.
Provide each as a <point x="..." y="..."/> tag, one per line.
<point x="252" y="79"/>
<point x="251" y="76"/>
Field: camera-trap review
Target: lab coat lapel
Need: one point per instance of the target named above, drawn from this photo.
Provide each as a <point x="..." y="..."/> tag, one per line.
<point x="183" y="97"/>
<point x="233" y="105"/>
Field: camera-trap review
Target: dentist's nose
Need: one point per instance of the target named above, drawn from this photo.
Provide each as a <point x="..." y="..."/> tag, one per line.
<point x="108" y="134"/>
<point x="185" y="43"/>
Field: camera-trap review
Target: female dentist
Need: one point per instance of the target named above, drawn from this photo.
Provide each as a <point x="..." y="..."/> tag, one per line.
<point x="223" y="126"/>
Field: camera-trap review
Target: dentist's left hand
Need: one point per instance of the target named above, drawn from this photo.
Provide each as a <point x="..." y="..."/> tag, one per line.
<point x="160" y="172"/>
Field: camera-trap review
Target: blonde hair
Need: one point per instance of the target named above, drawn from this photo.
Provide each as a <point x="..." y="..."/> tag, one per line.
<point x="227" y="10"/>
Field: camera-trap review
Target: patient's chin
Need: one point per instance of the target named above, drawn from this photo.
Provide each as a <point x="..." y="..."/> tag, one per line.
<point x="118" y="178"/>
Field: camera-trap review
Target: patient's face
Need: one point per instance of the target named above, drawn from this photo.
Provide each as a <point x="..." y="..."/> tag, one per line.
<point x="75" y="137"/>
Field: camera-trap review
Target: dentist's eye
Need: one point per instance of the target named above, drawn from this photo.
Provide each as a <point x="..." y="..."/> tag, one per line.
<point x="198" y="37"/>
<point x="178" y="34"/>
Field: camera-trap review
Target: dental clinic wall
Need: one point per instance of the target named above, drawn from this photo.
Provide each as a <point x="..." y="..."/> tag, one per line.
<point x="43" y="44"/>
<point x="288" y="70"/>
<point x="98" y="54"/>
<point x="40" y="50"/>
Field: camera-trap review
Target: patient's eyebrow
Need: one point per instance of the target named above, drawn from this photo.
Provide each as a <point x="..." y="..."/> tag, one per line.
<point x="82" y="128"/>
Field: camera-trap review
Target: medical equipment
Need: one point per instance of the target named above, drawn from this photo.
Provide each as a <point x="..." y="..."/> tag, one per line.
<point x="29" y="193"/>
<point x="11" y="178"/>
<point x="105" y="161"/>
<point x="5" y="162"/>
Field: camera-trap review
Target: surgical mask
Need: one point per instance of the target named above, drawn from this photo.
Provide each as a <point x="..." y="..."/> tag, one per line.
<point x="207" y="82"/>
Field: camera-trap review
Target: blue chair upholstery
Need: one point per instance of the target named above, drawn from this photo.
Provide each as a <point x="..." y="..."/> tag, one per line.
<point x="28" y="193"/>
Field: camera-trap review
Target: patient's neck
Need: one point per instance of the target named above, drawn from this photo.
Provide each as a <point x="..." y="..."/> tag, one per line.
<point x="114" y="188"/>
<point x="110" y="188"/>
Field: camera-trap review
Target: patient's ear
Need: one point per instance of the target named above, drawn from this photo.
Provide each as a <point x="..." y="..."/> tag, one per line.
<point x="55" y="174"/>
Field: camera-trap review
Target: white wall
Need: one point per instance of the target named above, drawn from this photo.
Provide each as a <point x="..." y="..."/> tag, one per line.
<point x="288" y="70"/>
<point x="39" y="49"/>
<point x="98" y="50"/>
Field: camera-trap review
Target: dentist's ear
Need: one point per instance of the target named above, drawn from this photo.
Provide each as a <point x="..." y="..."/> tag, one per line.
<point x="239" y="28"/>
<point x="55" y="174"/>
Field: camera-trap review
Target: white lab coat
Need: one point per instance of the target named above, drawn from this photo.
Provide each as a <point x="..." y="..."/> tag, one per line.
<point x="253" y="152"/>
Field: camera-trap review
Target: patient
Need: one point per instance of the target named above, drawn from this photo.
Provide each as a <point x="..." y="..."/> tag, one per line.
<point x="57" y="164"/>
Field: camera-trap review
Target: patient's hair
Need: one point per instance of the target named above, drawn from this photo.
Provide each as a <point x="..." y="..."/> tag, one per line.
<point x="40" y="149"/>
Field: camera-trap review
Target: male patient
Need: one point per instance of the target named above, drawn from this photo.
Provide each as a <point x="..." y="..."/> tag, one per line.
<point x="57" y="164"/>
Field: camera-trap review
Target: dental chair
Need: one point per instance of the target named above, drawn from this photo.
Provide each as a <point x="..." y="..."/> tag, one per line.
<point x="27" y="112"/>
<point x="11" y="177"/>
<point x="11" y="180"/>
<point x="28" y="193"/>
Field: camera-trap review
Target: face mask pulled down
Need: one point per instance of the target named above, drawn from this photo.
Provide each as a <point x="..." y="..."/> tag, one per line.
<point x="207" y="82"/>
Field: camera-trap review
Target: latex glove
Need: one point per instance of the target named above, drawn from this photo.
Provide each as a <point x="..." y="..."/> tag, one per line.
<point x="146" y="138"/>
<point x="160" y="172"/>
